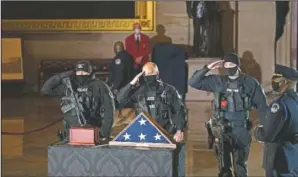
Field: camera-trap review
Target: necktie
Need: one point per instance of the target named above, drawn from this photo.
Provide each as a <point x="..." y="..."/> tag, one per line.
<point x="138" y="41"/>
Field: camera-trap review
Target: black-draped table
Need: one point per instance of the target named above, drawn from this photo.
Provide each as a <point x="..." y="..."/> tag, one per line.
<point x="104" y="160"/>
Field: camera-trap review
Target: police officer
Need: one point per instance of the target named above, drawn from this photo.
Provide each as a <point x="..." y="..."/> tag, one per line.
<point x="121" y="71"/>
<point x="162" y="102"/>
<point x="94" y="99"/>
<point x="121" y="68"/>
<point x="280" y="130"/>
<point x="238" y="94"/>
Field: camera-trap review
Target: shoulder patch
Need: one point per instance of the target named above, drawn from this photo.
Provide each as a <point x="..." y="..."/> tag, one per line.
<point x="274" y="107"/>
<point x="118" y="61"/>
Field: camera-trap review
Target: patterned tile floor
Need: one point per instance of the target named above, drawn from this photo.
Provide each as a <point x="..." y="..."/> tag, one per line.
<point x="37" y="112"/>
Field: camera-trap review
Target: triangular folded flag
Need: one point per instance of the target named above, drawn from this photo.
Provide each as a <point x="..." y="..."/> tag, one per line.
<point x="143" y="131"/>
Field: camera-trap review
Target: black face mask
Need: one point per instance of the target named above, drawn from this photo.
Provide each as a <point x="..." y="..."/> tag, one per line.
<point x="275" y="86"/>
<point x="231" y="71"/>
<point x="150" y="79"/>
<point x="82" y="78"/>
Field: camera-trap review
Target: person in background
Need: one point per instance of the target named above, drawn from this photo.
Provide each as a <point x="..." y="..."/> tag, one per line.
<point x="121" y="71"/>
<point x="138" y="45"/>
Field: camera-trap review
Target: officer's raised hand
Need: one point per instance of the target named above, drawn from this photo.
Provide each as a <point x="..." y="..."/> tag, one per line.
<point x="136" y="79"/>
<point x="215" y="64"/>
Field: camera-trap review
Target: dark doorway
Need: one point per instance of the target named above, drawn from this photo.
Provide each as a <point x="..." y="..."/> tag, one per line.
<point x="67" y="10"/>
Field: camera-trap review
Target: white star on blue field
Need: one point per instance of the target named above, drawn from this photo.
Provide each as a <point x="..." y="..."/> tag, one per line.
<point x="142" y="130"/>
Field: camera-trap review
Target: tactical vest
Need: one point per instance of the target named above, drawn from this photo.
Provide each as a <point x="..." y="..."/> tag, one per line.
<point x="158" y="104"/>
<point x="85" y="100"/>
<point x="235" y="98"/>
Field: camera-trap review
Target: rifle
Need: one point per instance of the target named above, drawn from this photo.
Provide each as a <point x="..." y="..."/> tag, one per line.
<point x="211" y="137"/>
<point x="215" y="116"/>
<point x="74" y="100"/>
<point x="220" y="150"/>
<point x="216" y="128"/>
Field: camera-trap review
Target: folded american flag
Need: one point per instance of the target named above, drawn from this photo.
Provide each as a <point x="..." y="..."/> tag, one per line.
<point x="143" y="131"/>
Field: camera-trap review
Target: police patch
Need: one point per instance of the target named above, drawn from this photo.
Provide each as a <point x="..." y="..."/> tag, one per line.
<point x="118" y="61"/>
<point x="274" y="108"/>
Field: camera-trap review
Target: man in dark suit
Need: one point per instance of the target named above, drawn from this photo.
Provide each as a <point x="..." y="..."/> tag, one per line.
<point x="206" y="26"/>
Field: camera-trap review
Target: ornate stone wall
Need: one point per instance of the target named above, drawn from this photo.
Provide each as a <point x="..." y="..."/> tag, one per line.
<point x="255" y="37"/>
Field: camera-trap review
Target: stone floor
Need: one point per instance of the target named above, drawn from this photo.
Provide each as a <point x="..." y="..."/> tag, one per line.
<point x="38" y="112"/>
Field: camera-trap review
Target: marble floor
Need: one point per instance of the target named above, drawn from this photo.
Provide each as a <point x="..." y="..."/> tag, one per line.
<point x="37" y="112"/>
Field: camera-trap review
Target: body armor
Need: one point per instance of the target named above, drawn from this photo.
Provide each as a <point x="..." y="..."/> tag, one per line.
<point x="85" y="100"/>
<point x="235" y="99"/>
<point x="231" y="108"/>
<point x="157" y="103"/>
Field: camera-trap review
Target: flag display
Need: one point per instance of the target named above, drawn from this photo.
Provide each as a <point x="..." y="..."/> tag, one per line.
<point x="143" y="131"/>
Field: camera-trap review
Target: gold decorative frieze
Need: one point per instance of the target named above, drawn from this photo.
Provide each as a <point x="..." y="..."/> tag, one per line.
<point x="145" y="16"/>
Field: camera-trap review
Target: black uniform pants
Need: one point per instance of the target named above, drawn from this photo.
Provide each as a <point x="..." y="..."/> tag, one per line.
<point x="238" y="160"/>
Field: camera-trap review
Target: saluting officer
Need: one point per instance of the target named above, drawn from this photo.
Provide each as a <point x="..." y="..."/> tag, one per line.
<point x="162" y="101"/>
<point x="238" y="93"/>
<point x="94" y="104"/>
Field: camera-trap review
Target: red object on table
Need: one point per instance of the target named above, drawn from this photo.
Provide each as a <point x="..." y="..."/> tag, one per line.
<point x="83" y="136"/>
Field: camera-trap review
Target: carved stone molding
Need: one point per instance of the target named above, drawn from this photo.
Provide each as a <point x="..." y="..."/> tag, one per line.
<point x="145" y="14"/>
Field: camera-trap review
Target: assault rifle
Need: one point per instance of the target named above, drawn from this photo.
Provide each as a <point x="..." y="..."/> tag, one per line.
<point x="74" y="103"/>
<point x="217" y="127"/>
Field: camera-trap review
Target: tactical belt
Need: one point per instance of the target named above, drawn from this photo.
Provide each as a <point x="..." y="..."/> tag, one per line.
<point x="238" y="124"/>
